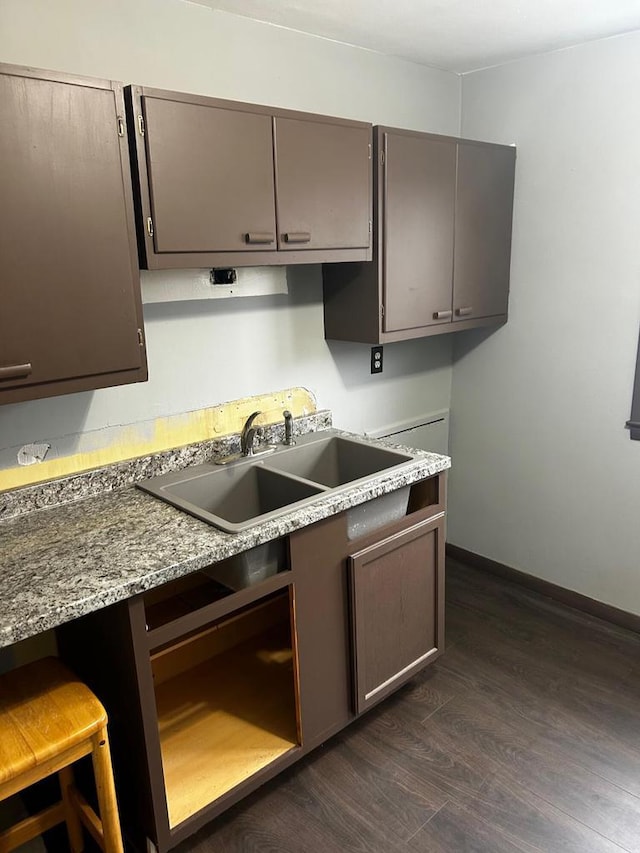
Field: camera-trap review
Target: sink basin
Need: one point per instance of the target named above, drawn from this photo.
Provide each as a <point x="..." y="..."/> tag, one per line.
<point x="250" y="491"/>
<point x="335" y="461"/>
<point x="230" y="498"/>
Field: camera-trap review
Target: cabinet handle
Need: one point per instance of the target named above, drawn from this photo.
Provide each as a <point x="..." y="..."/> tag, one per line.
<point x="15" y="371"/>
<point x="463" y="312"/>
<point x="442" y="315"/>
<point x="297" y="237"/>
<point x="259" y="237"/>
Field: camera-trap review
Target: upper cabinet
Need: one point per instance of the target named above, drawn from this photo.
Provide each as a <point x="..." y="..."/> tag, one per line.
<point x="323" y="184"/>
<point x="224" y="183"/>
<point x="71" y="316"/>
<point x="210" y="177"/>
<point x="418" y="224"/>
<point x="484" y="209"/>
<point x="442" y="247"/>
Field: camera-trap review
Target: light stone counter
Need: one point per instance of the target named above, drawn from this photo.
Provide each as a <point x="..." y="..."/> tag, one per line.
<point x="73" y="558"/>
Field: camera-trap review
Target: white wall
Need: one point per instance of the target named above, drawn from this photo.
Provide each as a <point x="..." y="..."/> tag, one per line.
<point x="203" y="353"/>
<point x="545" y="478"/>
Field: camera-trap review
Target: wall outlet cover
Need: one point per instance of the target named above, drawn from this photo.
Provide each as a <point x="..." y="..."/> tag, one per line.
<point x="376" y="359"/>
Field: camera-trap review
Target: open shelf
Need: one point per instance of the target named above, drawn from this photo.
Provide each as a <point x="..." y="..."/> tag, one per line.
<point x="180" y="597"/>
<point x="196" y="591"/>
<point x="427" y="494"/>
<point x="227" y="704"/>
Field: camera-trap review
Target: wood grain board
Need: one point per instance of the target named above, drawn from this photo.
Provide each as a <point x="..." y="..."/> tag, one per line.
<point x="225" y="719"/>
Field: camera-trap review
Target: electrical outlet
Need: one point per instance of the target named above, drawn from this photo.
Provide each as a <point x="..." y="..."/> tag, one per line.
<point x="376" y="359"/>
<point x="223" y="275"/>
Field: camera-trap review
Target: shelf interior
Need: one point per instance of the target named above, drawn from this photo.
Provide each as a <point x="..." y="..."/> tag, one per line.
<point x="186" y="595"/>
<point x="180" y="597"/>
<point x="425" y="494"/>
<point x="226" y="702"/>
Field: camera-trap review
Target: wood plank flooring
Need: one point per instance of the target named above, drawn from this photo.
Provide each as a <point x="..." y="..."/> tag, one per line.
<point x="524" y="736"/>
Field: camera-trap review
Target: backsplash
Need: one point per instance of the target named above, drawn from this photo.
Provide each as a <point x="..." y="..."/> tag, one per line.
<point x="120" y="474"/>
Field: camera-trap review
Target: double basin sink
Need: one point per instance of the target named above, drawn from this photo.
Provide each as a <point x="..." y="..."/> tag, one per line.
<point x="255" y="489"/>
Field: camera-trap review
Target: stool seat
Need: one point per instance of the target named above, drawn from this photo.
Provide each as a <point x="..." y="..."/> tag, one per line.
<point x="49" y="720"/>
<point x="44" y="711"/>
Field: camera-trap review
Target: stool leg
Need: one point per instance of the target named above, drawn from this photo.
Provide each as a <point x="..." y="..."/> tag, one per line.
<point x="74" y="827"/>
<point x="103" y="771"/>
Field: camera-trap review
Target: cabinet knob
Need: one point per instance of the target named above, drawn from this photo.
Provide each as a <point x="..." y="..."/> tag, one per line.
<point x="464" y="312"/>
<point x="259" y="237"/>
<point x="297" y="237"/>
<point x="15" y="371"/>
<point x="442" y="315"/>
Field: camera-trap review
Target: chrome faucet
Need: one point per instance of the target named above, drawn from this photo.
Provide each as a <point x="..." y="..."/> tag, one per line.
<point x="248" y="435"/>
<point x="288" y="428"/>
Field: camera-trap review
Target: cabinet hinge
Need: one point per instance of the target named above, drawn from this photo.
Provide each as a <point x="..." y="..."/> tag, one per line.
<point x="369" y="151"/>
<point x="382" y="312"/>
<point x="141" y="125"/>
<point x="141" y="337"/>
<point x="149" y="226"/>
<point x="369" y="226"/>
<point x="382" y="158"/>
<point x="120" y="126"/>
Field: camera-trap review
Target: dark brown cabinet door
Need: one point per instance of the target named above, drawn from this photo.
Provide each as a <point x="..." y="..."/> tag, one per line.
<point x="442" y="242"/>
<point x="70" y="313"/>
<point x="210" y="174"/>
<point x="418" y="218"/>
<point x="323" y="175"/>
<point x="221" y="183"/>
<point x="484" y="209"/>
<point x="322" y="621"/>
<point x="397" y="600"/>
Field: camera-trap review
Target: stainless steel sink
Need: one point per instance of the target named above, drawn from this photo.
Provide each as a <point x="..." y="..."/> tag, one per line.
<point x="251" y="491"/>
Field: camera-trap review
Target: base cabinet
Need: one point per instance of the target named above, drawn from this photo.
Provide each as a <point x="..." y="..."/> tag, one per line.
<point x="397" y="609"/>
<point x="226" y="705"/>
<point x="216" y="682"/>
<point x="322" y="626"/>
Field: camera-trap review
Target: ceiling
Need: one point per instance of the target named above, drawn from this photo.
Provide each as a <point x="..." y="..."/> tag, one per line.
<point x="456" y="35"/>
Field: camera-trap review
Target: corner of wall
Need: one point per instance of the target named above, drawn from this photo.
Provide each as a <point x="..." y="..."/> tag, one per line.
<point x="460" y="97"/>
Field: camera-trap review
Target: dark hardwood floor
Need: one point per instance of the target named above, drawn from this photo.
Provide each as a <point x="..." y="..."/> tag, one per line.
<point x="525" y="736"/>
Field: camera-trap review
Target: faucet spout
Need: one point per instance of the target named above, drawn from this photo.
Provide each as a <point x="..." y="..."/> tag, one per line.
<point x="248" y="435"/>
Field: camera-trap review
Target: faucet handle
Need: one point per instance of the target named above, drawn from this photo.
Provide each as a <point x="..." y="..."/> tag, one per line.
<point x="288" y="428"/>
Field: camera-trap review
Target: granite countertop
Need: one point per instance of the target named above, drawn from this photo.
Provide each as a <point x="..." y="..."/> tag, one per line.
<point x="68" y="560"/>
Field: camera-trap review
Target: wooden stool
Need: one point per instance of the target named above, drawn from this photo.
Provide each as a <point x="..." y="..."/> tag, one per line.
<point x="48" y="720"/>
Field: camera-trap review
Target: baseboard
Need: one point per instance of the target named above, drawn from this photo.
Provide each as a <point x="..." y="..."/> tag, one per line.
<point x="631" y="621"/>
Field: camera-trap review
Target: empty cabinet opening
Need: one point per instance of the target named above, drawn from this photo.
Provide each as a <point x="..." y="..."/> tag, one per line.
<point x="424" y="494"/>
<point x="376" y="514"/>
<point x="227" y="703"/>
<point x="195" y="591"/>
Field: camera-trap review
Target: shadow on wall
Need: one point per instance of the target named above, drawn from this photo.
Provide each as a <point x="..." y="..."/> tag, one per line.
<point x="401" y="360"/>
<point x="305" y="288"/>
<point x="295" y="325"/>
<point x="466" y="342"/>
<point x="253" y="336"/>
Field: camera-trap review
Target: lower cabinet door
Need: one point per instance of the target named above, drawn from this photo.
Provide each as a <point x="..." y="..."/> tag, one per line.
<point x="397" y="609"/>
